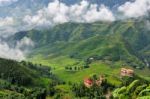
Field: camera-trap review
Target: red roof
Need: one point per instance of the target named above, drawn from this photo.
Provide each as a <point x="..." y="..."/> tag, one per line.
<point x="89" y="81"/>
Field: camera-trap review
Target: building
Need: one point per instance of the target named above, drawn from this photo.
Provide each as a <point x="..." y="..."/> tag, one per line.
<point x="88" y="82"/>
<point x="100" y="80"/>
<point x="126" y="72"/>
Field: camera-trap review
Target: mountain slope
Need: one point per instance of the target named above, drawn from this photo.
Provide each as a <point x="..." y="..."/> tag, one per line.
<point x="14" y="72"/>
<point x="121" y="40"/>
<point x="22" y="73"/>
<point x="24" y="80"/>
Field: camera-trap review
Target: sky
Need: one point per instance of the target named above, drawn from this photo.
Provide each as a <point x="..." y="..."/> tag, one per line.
<point x="21" y="15"/>
<point x="18" y="15"/>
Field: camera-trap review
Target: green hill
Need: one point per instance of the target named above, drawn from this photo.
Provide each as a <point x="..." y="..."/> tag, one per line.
<point x="24" y="80"/>
<point x="79" y="50"/>
<point x="120" y="43"/>
<point x="21" y="73"/>
<point x="121" y="40"/>
<point x="15" y="73"/>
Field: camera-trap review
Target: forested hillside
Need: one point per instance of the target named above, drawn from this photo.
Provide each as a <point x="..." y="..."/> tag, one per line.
<point x="24" y="80"/>
<point x="75" y="51"/>
<point x="121" y="40"/>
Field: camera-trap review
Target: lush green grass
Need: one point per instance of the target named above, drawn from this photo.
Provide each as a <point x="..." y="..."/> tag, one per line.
<point x="7" y="93"/>
<point x="117" y="43"/>
<point x="57" y="62"/>
<point x="64" y="88"/>
<point x="120" y="38"/>
<point x="97" y="67"/>
<point x="2" y="93"/>
<point x="111" y="70"/>
<point x="70" y="44"/>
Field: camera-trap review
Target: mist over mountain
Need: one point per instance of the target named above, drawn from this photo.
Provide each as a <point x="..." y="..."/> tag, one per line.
<point x="74" y="49"/>
<point x="17" y="12"/>
<point x="133" y="39"/>
<point x="28" y="12"/>
<point x="24" y="15"/>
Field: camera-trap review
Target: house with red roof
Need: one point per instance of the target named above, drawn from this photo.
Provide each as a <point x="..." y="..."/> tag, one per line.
<point x="126" y="72"/>
<point x="88" y="82"/>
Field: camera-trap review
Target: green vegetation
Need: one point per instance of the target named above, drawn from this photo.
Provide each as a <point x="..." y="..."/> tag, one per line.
<point x="70" y="52"/>
<point x="137" y="89"/>
<point x="24" y="80"/>
<point x="122" y="40"/>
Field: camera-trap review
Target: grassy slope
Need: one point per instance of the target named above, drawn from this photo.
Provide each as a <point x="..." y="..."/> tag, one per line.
<point x="95" y="68"/>
<point x="112" y="40"/>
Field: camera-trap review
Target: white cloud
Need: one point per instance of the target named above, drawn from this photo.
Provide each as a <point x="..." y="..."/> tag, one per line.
<point x="7" y="31"/>
<point x="58" y="12"/>
<point x="104" y="14"/>
<point x="24" y="43"/>
<point x="6" y="2"/>
<point x="15" y="53"/>
<point x="10" y="53"/>
<point x="135" y="9"/>
<point x="7" y="26"/>
<point x="7" y="21"/>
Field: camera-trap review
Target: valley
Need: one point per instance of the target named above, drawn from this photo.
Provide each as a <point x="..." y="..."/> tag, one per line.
<point x="115" y="48"/>
<point x="75" y="51"/>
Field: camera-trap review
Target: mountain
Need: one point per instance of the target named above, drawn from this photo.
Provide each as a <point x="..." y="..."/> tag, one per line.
<point x="59" y="53"/>
<point x="121" y="40"/>
<point x="68" y="55"/>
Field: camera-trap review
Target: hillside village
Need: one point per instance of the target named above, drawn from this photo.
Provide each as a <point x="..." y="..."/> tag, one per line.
<point x="89" y="82"/>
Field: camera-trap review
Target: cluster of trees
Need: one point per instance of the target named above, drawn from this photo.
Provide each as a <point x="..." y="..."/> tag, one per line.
<point x="94" y="92"/>
<point x="98" y="92"/>
<point x="131" y="88"/>
<point x="75" y="68"/>
<point x="20" y="92"/>
<point x="52" y="91"/>
<point x="42" y="70"/>
<point x="15" y="73"/>
<point x="33" y="92"/>
<point x="24" y="80"/>
<point x="24" y="73"/>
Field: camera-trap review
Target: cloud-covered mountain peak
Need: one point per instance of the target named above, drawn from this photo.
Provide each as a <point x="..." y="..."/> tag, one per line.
<point x="22" y="15"/>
